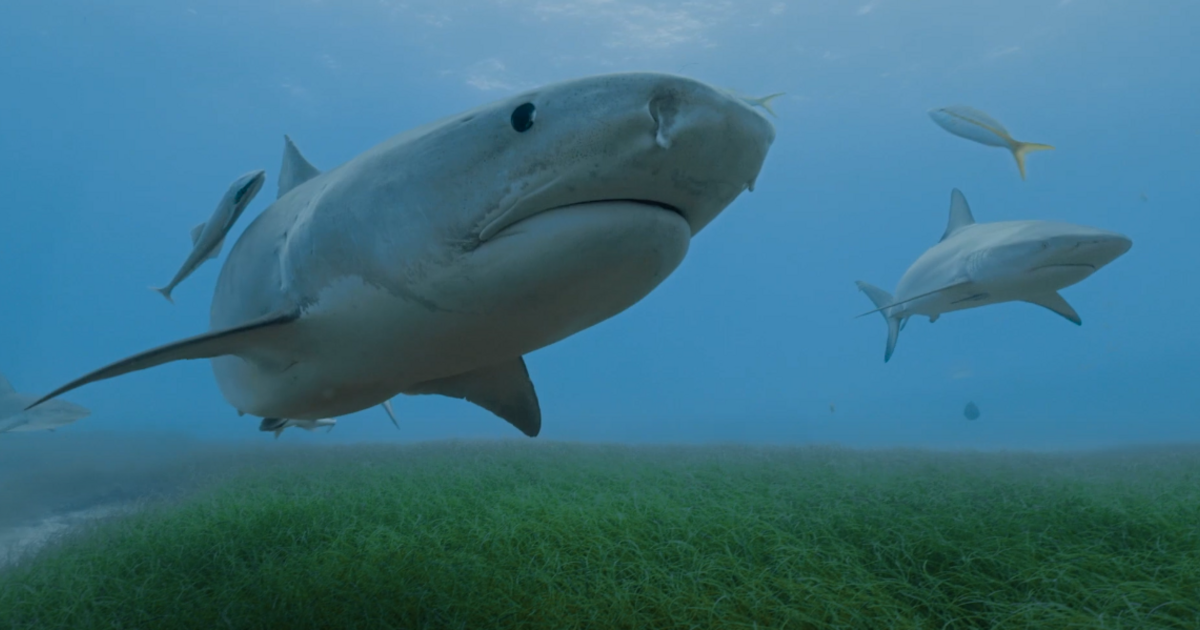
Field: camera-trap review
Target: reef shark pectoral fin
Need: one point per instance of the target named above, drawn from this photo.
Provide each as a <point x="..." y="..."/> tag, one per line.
<point x="213" y="344"/>
<point x="1058" y="304"/>
<point x="503" y="389"/>
<point x="295" y="170"/>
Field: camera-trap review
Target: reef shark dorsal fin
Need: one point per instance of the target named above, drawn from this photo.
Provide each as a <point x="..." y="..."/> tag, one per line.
<point x="503" y="389"/>
<point x="295" y="169"/>
<point x="212" y="344"/>
<point x="1058" y="304"/>
<point x="960" y="214"/>
<point x="6" y="387"/>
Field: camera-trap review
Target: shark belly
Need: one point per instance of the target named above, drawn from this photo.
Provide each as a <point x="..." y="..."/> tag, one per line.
<point x="536" y="282"/>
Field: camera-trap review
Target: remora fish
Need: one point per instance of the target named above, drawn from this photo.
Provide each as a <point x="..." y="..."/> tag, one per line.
<point x="209" y="237"/>
<point x="976" y="264"/>
<point x="432" y="262"/>
<point x="972" y="124"/>
<point x="14" y="417"/>
<point x="277" y="425"/>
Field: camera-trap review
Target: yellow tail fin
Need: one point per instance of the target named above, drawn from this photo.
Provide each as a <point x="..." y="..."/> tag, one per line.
<point x="1021" y="149"/>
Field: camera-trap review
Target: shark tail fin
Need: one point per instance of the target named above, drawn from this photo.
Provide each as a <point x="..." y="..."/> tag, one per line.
<point x="1021" y="149"/>
<point x="882" y="299"/>
<point x="165" y="291"/>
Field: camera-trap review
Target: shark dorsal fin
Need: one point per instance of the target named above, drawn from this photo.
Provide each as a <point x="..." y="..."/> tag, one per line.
<point x="5" y="386"/>
<point x="960" y="214"/>
<point x="295" y="169"/>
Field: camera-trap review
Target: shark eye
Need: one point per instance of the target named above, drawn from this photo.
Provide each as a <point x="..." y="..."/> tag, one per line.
<point x="522" y="117"/>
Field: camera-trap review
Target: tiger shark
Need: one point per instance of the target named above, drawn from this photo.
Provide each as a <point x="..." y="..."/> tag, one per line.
<point x="977" y="264"/>
<point x="434" y="261"/>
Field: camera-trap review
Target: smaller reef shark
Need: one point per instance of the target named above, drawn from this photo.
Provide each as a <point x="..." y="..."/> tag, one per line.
<point x="976" y="264"/>
<point x="209" y="237"/>
<point x="14" y="417"/>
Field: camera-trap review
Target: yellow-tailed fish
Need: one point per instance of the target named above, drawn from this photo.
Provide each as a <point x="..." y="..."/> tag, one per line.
<point x="972" y="124"/>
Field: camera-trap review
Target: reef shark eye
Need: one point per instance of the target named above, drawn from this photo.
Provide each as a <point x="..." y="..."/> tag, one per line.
<point x="522" y="117"/>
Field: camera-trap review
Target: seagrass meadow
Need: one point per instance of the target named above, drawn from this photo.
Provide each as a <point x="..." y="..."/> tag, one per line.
<point x="560" y="535"/>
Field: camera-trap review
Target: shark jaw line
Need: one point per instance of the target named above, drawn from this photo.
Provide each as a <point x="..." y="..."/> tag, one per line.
<point x="510" y="218"/>
<point x="1040" y="267"/>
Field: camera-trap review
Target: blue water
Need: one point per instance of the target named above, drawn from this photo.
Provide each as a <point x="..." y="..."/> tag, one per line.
<point x="122" y="123"/>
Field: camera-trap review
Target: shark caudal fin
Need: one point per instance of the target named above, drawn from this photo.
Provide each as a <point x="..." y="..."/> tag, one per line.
<point x="1021" y="149"/>
<point x="882" y="300"/>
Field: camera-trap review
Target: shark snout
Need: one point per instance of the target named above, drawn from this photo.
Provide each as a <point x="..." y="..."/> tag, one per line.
<point x="716" y="143"/>
<point x="1101" y="250"/>
<point x="1090" y="250"/>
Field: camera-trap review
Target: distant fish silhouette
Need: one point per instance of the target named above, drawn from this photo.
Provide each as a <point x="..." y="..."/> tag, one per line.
<point x="971" y="412"/>
<point x="972" y="124"/>
<point x="277" y="425"/>
<point x="14" y="417"/>
<point x="832" y="408"/>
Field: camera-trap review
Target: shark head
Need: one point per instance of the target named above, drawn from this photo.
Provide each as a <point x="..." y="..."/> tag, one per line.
<point x="1050" y="254"/>
<point x="1080" y="246"/>
<point x="658" y="140"/>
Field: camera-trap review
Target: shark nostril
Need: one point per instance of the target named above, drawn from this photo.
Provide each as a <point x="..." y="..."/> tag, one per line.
<point x="664" y="109"/>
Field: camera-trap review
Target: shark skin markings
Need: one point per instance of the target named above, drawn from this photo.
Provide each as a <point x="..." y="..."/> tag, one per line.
<point x="432" y="262"/>
<point x="15" y="418"/>
<point x="209" y="237"/>
<point x="977" y="264"/>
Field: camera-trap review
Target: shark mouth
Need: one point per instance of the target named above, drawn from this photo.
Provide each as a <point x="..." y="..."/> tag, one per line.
<point x="645" y="202"/>
<point x="1089" y="266"/>
<point x="512" y="216"/>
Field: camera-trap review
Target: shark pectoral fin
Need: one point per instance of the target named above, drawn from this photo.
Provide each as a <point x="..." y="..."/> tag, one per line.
<point x="213" y="344"/>
<point x="387" y="406"/>
<point x="1021" y="149"/>
<point x="5" y="386"/>
<point x="1058" y="304"/>
<point x="295" y="169"/>
<point x="216" y="251"/>
<point x="503" y="389"/>
<point x="196" y="232"/>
